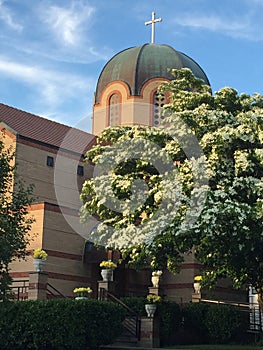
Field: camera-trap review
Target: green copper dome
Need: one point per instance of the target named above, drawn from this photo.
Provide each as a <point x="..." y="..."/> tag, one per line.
<point x="136" y="65"/>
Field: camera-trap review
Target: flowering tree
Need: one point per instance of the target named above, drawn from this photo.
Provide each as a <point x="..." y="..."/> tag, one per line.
<point x="225" y="222"/>
<point x="129" y="195"/>
<point x="229" y="127"/>
<point x="14" y="221"/>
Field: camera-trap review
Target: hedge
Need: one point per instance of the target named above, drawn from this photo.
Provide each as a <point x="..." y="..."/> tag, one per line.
<point x="59" y="324"/>
<point x="215" y="323"/>
<point x="196" y="323"/>
<point x="86" y="324"/>
<point x="226" y="323"/>
<point x="168" y="311"/>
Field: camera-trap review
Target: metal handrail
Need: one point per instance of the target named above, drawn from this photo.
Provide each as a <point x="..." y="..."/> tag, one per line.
<point x="112" y="296"/>
<point x="56" y="290"/>
<point x="132" y="322"/>
<point x="222" y="302"/>
<point x="253" y="309"/>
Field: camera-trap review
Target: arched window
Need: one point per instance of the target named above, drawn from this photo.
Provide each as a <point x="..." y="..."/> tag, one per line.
<point x="114" y="110"/>
<point x="158" y="103"/>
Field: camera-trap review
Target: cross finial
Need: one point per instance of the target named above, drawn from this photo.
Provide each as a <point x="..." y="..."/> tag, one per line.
<point x="152" y="22"/>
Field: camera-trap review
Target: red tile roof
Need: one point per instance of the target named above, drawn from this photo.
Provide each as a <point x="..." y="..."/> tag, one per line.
<point x="42" y="130"/>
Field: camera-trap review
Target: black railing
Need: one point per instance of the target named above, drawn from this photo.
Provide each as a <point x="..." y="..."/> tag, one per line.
<point x="19" y="290"/>
<point x="252" y="309"/>
<point x="132" y="322"/>
<point x="53" y="292"/>
<point x="255" y="319"/>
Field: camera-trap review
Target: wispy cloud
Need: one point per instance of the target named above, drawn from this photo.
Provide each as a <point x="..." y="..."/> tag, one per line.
<point x="54" y="87"/>
<point x="8" y="18"/>
<point x="211" y="22"/>
<point x="53" y="31"/>
<point x="67" y="23"/>
<point x="245" y="26"/>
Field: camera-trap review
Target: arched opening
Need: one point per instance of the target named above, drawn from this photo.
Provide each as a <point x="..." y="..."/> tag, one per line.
<point x="114" y="110"/>
<point x="158" y="103"/>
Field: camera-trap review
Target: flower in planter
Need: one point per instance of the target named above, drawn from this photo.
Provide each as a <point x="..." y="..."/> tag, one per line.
<point x="82" y="291"/>
<point x="198" y="278"/>
<point x="152" y="298"/>
<point x="40" y="254"/>
<point x="108" y="264"/>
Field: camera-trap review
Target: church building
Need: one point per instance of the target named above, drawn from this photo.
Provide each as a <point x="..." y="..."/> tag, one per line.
<point x="50" y="156"/>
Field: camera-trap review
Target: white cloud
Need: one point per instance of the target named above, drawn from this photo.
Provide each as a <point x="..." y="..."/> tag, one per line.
<point x="7" y="17"/>
<point x="245" y="26"/>
<point x="67" y="23"/>
<point x="53" y="86"/>
<point x="53" y="30"/>
<point x="211" y="22"/>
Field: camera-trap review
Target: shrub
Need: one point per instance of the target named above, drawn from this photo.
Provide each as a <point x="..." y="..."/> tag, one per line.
<point x="168" y="311"/>
<point x="170" y="321"/>
<point x="226" y="323"/>
<point x="136" y="304"/>
<point x="194" y="322"/>
<point x="59" y="324"/>
<point x="214" y="323"/>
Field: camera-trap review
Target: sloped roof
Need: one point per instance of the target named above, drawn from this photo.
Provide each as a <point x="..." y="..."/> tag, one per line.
<point x="41" y="130"/>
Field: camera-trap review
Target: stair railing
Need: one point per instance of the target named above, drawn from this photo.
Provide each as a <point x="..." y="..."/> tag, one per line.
<point x="20" y="291"/>
<point x="132" y="322"/>
<point x="54" y="292"/>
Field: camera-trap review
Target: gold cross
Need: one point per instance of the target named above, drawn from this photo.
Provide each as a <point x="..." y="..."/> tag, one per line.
<point x="152" y="22"/>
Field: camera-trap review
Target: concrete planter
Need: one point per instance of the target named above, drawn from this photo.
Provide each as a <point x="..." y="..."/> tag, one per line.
<point x="39" y="264"/>
<point x="107" y="275"/>
<point x="150" y="309"/>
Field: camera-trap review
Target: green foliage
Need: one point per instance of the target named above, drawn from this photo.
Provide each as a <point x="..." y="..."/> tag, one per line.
<point x="136" y="304"/>
<point x="215" y="323"/>
<point x="226" y="323"/>
<point x="168" y="311"/>
<point x="187" y="92"/>
<point x="194" y="318"/>
<point x="59" y="324"/>
<point x="228" y="234"/>
<point x="15" y="223"/>
<point x="227" y="227"/>
<point x="196" y="322"/>
<point x="170" y="319"/>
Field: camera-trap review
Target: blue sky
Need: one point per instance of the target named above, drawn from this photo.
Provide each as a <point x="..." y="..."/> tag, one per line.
<point x="52" y="52"/>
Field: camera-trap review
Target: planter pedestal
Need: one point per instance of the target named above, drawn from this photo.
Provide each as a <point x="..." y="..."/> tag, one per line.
<point x="37" y="289"/>
<point x="150" y="333"/>
<point x="104" y="287"/>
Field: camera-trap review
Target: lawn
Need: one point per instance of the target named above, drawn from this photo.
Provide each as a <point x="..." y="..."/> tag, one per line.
<point x="218" y="347"/>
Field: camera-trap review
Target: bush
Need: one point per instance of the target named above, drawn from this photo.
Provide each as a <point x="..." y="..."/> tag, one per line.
<point x="168" y="311"/>
<point x="170" y="321"/>
<point x="59" y="324"/>
<point x="136" y="304"/>
<point x="194" y="323"/>
<point x="214" y="323"/>
<point x="226" y="323"/>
